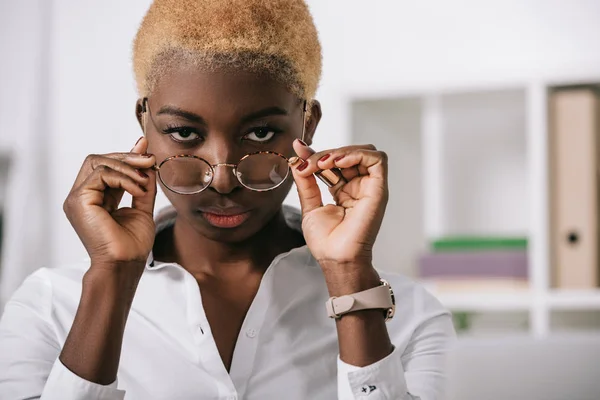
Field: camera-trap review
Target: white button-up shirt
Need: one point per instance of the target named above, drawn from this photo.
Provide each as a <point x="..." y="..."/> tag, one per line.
<point x="287" y="348"/>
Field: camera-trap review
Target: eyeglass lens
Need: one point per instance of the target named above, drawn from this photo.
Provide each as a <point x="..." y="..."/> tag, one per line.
<point x="189" y="175"/>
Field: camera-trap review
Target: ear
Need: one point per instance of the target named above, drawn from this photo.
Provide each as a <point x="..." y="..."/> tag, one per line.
<point x="140" y="108"/>
<point x="314" y="116"/>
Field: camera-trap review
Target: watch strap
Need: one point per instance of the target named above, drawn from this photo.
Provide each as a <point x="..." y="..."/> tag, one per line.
<point x="374" y="298"/>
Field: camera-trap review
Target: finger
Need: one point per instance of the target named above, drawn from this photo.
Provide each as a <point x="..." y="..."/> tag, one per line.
<point x="147" y="200"/>
<point x="93" y="160"/>
<point x="115" y="162"/>
<point x="133" y="171"/>
<point x="308" y="189"/>
<point x="124" y="162"/>
<point x="307" y="153"/>
<point x="93" y="191"/>
<point x="313" y="158"/>
<point x="316" y="162"/>
<point x="137" y="147"/>
<point x="302" y="150"/>
<point x="328" y="162"/>
<point x="367" y="162"/>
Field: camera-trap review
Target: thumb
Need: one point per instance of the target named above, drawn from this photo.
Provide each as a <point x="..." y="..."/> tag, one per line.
<point x="145" y="202"/>
<point x="308" y="190"/>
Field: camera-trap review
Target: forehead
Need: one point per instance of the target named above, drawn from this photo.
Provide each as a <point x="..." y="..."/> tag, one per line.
<point x="229" y="91"/>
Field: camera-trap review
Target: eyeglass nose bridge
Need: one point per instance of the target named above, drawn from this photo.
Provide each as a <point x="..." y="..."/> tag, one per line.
<point x="232" y="166"/>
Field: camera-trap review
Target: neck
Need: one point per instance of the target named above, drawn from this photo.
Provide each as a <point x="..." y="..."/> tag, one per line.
<point x="210" y="259"/>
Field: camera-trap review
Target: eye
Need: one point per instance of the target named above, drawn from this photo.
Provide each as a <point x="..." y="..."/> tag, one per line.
<point x="261" y="135"/>
<point x="182" y="134"/>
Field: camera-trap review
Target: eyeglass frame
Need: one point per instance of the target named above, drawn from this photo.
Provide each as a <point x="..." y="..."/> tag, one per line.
<point x="146" y="109"/>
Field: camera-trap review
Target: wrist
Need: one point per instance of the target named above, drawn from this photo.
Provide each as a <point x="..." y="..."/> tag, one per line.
<point x="119" y="281"/>
<point x="344" y="280"/>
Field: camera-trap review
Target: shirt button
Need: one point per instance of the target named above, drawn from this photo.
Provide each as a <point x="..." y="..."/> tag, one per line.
<point x="251" y="333"/>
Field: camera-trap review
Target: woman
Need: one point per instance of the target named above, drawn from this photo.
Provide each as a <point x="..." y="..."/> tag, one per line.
<point x="222" y="296"/>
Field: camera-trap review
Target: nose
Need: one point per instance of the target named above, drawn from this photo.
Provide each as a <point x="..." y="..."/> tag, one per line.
<point x="220" y="151"/>
<point x="224" y="180"/>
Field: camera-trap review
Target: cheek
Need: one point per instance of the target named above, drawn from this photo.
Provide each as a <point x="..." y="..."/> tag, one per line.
<point x="182" y="203"/>
<point x="285" y="146"/>
<point x="273" y="199"/>
<point x="158" y="147"/>
<point x="175" y="199"/>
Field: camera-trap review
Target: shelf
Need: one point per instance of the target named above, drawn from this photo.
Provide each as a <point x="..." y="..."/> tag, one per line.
<point x="574" y="300"/>
<point x="556" y="300"/>
<point x="486" y="302"/>
<point x="472" y="161"/>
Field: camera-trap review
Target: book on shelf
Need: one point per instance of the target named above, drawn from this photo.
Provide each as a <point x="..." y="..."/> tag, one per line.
<point x="574" y="121"/>
<point x="475" y="265"/>
<point x="475" y="285"/>
<point x="481" y="264"/>
<point x="478" y="243"/>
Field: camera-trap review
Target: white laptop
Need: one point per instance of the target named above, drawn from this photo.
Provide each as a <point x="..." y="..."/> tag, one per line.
<point x="565" y="367"/>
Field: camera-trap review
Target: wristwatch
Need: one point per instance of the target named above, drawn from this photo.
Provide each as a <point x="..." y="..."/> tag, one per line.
<point x="381" y="296"/>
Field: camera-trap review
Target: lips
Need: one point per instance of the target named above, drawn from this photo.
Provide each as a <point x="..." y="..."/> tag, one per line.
<point x="226" y="218"/>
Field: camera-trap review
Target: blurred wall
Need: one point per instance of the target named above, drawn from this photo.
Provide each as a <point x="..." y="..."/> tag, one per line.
<point x="25" y="190"/>
<point x="367" y="45"/>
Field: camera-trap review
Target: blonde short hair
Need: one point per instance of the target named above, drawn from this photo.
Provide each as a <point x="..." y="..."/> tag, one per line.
<point x="276" y="37"/>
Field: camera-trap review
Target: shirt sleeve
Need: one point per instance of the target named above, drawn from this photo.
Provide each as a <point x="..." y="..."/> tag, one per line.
<point x="29" y="350"/>
<point x="415" y="374"/>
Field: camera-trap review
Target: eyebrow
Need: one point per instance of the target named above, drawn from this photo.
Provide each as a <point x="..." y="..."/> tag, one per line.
<point x="190" y="116"/>
<point x="178" y="112"/>
<point x="265" y="112"/>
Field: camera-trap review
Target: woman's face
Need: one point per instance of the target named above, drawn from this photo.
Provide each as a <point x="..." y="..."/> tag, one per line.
<point x="221" y="116"/>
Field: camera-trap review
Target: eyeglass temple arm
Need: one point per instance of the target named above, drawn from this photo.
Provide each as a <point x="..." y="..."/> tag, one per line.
<point x="145" y="112"/>
<point x="145" y="116"/>
<point x="304" y="109"/>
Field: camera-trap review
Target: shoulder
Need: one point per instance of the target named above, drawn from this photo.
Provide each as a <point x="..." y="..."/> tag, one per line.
<point x="61" y="277"/>
<point x="46" y="286"/>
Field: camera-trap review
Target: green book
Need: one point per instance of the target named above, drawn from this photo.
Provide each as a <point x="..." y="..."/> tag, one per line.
<point x="476" y="243"/>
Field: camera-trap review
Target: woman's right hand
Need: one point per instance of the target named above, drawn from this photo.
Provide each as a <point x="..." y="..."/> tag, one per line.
<point x="113" y="235"/>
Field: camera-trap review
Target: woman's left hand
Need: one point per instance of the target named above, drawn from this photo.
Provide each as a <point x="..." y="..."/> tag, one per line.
<point x="341" y="236"/>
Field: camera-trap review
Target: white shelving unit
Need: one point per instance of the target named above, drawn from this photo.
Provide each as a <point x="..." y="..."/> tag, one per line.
<point x="472" y="160"/>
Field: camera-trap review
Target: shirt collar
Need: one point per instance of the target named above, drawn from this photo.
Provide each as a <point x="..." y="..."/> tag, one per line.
<point x="165" y="218"/>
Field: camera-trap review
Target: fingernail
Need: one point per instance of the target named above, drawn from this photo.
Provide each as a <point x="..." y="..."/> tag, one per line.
<point x="325" y="157"/>
<point x="303" y="166"/>
<point x="292" y="161"/>
<point x="147" y="155"/>
<point x="302" y="142"/>
<point x="140" y="173"/>
<point x="338" y="158"/>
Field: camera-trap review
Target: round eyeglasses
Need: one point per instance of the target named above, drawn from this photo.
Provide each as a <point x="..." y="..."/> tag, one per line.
<point x="189" y="174"/>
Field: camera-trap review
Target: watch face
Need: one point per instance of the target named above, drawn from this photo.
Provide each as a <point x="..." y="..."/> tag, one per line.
<point x="392" y="310"/>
